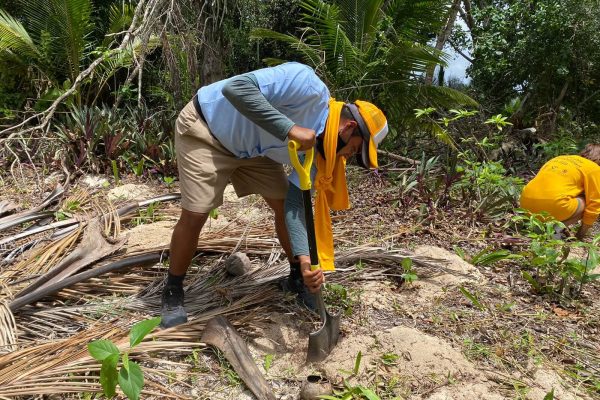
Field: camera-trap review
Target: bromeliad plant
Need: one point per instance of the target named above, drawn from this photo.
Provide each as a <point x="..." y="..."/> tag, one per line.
<point x="130" y="376"/>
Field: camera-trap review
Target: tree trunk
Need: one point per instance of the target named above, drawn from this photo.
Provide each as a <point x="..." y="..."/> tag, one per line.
<point x="213" y="68"/>
<point x="556" y="106"/>
<point x="467" y="16"/>
<point x="561" y="96"/>
<point x="443" y="36"/>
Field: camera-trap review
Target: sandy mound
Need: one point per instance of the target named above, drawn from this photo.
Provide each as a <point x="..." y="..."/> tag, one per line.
<point x="456" y="273"/>
<point x="129" y="191"/>
<point x="545" y="380"/>
<point x="421" y="360"/>
<point x="423" y="363"/>
<point x="148" y="236"/>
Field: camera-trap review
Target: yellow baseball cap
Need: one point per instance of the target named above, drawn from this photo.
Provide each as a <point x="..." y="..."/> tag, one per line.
<point x="373" y="127"/>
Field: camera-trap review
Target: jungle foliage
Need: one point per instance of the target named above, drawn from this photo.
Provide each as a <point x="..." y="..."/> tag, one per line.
<point x="534" y="70"/>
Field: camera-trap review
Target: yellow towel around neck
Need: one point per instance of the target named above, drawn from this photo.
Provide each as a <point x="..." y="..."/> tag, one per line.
<point x="331" y="187"/>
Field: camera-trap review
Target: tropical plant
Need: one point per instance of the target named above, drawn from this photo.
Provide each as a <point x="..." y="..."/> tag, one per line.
<point x="56" y="39"/>
<point x="375" y="50"/>
<point x="53" y="37"/>
<point x="486" y="189"/>
<point x="130" y="377"/>
<point x="546" y="263"/>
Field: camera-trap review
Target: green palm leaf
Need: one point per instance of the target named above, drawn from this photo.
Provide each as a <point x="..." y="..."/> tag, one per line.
<point x="417" y="19"/>
<point x="119" y="19"/>
<point x="15" y="39"/>
<point x="311" y="54"/>
<point x="375" y="50"/>
<point x="62" y="27"/>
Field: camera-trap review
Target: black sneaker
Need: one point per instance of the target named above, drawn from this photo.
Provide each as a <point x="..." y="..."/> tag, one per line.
<point x="172" y="312"/>
<point x="294" y="284"/>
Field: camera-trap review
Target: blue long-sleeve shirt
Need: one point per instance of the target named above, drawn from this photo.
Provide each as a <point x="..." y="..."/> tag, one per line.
<point x="251" y="115"/>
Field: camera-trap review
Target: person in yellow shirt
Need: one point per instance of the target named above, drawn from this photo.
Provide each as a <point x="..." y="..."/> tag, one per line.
<point x="568" y="188"/>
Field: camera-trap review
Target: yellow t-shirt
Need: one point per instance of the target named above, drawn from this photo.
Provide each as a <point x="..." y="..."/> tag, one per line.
<point x="559" y="182"/>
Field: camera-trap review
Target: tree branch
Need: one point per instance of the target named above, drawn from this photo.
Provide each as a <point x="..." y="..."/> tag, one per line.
<point x="459" y="51"/>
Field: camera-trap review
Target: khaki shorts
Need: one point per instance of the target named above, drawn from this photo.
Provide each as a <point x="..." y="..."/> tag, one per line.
<point x="206" y="167"/>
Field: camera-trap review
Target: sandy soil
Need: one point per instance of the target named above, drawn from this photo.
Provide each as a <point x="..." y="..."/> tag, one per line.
<point x="407" y="362"/>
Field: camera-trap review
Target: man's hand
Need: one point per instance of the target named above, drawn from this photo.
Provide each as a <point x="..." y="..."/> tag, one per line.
<point x="312" y="279"/>
<point x="583" y="231"/>
<point x="306" y="137"/>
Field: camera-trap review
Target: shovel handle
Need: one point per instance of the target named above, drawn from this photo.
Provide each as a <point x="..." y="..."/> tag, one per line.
<point x="303" y="170"/>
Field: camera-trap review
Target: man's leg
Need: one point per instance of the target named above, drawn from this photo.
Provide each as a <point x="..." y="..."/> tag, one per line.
<point x="184" y="242"/>
<point x="204" y="167"/>
<point x="277" y="205"/>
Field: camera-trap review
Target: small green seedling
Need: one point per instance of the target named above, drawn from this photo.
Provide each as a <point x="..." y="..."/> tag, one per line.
<point x="499" y="120"/>
<point x="357" y="363"/>
<point x="268" y="362"/>
<point x="390" y="359"/>
<point x="130" y="377"/>
<point x="473" y="298"/>
<point x="115" y="170"/>
<point x="352" y="392"/>
<point x="169" y="180"/>
<point x="409" y="274"/>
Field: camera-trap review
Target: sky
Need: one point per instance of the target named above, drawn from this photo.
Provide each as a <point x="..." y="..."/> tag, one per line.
<point x="457" y="66"/>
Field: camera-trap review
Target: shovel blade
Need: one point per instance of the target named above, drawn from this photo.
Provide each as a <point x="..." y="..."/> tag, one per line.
<point x="321" y="342"/>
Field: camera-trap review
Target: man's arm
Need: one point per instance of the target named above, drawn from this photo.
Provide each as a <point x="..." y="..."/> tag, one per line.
<point x="244" y="94"/>
<point x="296" y="225"/>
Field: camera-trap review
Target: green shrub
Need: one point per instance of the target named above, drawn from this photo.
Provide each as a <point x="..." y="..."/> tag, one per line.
<point x="546" y="264"/>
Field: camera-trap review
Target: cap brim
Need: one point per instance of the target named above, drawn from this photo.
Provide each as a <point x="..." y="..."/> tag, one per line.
<point x="363" y="157"/>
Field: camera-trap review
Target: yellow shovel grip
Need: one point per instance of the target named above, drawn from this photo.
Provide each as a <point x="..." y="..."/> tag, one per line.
<point x="303" y="170"/>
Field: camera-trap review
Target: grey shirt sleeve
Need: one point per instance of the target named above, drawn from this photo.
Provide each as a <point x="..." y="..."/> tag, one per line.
<point x="244" y="94"/>
<point x="295" y="221"/>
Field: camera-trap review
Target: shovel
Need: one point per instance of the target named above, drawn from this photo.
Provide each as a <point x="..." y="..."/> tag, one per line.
<point x="321" y="342"/>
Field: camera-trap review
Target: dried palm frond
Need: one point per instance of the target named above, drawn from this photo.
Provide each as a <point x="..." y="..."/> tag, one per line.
<point x="45" y="342"/>
<point x="8" y="337"/>
<point x="7" y="207"/>
<point x="64" y="366"/>
<point x="92" y="248"/>
<point x="39" y="261"/>
<point x="52" y="197"/>
<point x="11" y="242"/>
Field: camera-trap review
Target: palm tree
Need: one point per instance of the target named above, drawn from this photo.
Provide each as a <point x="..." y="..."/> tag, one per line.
<point x="52" y="37"/>
<point x="56" y="38"/>
<point x="374" y="49"/>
